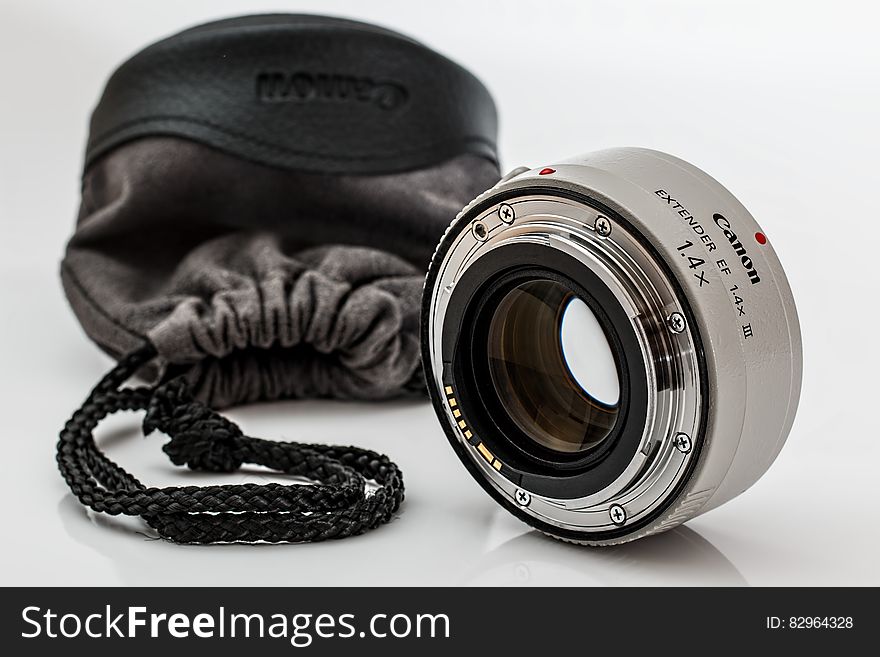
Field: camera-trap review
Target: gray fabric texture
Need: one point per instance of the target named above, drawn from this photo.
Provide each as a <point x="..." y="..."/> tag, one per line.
<point x="258" y="282"/>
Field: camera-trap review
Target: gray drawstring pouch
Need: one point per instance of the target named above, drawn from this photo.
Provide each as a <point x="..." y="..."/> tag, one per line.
<point x="260" y="198"/>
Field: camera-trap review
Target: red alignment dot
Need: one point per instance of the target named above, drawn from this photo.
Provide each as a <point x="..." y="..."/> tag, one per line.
<point x="761" y="238"/>
<point x="545" y="171"/>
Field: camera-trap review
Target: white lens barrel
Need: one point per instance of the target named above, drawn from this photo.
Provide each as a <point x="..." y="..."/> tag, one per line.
<point x="713" y="354"/>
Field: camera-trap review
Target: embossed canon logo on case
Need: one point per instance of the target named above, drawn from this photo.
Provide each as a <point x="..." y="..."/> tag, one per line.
<point x="302" y="87"/>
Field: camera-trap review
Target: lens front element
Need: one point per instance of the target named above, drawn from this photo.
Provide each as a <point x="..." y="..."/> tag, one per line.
<point x="553" y="368"/>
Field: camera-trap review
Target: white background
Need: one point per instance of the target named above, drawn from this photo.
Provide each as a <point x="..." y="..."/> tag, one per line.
<point x="778" y="100"/>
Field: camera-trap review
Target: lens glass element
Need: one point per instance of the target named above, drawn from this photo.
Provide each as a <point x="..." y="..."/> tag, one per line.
<point x="553" y="368"/>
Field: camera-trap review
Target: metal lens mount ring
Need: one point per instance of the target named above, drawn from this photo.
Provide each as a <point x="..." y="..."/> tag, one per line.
<point x="681" y="305"/>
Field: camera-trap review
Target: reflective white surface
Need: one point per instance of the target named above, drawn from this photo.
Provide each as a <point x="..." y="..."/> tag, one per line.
<point x="777" y="100"/>
<point x="588" y="354"/>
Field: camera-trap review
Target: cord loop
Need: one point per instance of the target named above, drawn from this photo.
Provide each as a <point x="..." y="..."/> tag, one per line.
<point x="335" y="503"/>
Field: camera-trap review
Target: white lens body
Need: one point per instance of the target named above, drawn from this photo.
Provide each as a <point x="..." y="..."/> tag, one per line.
<point x="704" y="294"/>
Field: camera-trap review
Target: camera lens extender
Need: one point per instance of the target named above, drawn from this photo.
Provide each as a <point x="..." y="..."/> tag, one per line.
<point x="611" y="345"/>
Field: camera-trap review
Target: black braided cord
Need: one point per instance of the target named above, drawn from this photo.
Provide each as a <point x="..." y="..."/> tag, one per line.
<point x="337" y="505"/>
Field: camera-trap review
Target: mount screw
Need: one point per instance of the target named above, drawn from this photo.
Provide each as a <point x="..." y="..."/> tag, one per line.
<point x="683" y="443"/>
<point x="506" y="213"/>
<point x="677" y="323"/>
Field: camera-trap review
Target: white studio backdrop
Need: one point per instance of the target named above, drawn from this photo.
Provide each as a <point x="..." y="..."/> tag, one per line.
<point x="777" y="100"/>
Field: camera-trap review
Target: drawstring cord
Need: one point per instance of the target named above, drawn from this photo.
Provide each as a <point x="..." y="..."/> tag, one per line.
<point x="337" y="505"/>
